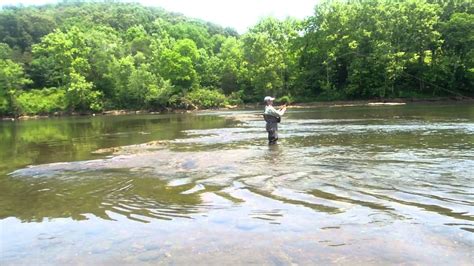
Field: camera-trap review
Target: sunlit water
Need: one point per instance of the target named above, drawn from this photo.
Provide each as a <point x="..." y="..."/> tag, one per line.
<point x="347" y="185"/>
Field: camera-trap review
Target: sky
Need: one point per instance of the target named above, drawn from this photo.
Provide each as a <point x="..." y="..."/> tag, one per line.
<point x="238" y="14"/>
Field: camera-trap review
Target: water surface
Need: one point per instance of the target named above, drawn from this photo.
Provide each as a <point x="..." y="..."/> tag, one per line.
<point x="345" y="185"/>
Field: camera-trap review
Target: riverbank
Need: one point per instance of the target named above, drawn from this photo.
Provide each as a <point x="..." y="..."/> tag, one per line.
<point x="381" y="102"/>
<point x="345" y="103"/>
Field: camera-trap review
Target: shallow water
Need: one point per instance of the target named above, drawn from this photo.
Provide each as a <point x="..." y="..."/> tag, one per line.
<point x="345" y="185"/>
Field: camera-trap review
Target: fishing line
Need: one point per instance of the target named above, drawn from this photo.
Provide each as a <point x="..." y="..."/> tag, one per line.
<point x="326" y="63"/>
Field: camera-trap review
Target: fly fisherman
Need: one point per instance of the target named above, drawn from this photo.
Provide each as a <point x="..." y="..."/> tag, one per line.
<point x="272" y="117"/>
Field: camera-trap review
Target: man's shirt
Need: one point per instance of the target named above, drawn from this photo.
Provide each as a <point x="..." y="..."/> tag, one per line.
<point x="270" y="110"/>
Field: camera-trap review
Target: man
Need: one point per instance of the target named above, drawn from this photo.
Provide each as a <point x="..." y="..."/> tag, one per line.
<point x="272" y="117"/>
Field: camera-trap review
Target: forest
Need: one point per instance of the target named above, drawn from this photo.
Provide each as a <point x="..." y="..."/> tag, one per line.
<point x="85" y="57"/>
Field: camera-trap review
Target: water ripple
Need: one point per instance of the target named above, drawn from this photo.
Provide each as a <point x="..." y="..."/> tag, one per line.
<point x="376" y="171"/>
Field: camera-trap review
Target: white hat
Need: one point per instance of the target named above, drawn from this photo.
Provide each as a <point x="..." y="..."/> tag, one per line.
<point x="268" y="98"/>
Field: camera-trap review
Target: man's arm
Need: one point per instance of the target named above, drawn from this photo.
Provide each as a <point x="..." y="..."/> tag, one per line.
<point x="282" y="110"/>
<point x="270" y="110"/>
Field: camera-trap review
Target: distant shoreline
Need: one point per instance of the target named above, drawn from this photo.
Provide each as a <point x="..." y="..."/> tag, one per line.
<point x="344" y="103"/>
<point x="382" y="102"/>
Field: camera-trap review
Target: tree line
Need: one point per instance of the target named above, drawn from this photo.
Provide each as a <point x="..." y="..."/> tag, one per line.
<point x="88" y="57"/>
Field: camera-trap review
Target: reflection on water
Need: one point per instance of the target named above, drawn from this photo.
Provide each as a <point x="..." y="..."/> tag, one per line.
<point x="344" y="185"/>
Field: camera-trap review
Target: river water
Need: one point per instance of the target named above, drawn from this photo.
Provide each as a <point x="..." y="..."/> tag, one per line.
<point x="354" y="185"/>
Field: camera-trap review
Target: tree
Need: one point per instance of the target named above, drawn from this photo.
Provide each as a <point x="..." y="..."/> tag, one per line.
<point x="457" y="64"/>
<point x="104" y="44"/>
<point x="5" y="51"/>
<point x="12" y="80"/>
<point x="268" y="55"/>
<point x="130" y="56"/>
<point x="209" y="69"/>
<point x="192" y="31"/>
<point x="57" y="55"/>
<point x="371" y="49"/>
<point x="233" y="70"/>
<point x="138" y="40"/>
<point x="140" y="83"/>
<point x="80" y="94"/>
<point x="178" y="64"/>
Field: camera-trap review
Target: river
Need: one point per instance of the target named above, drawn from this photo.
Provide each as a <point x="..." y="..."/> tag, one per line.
<point x="353" y="185"/>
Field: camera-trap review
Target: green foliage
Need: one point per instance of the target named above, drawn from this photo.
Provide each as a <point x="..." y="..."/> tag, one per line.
<point x="206" y="98"/>
<point x="42" y="101"/>
<point x="178" y="64"/>
<point x="5" y="108"/>
<point x="119" y="71"/>
<point x="456" y="67"/>
<point x="138" y="40"/>
<point x="22" y="27"/>
<point x="372" y="49"/>
<point x="210" y="69"/>
<point x="267" y="51"/>
<point x="234" y="67"/>
<point x="80" y="95"/>
<point x="136" y="85"/>
<point x="192" y="31"/>
<point x="12" y="80"/>
<point x="5" y="51"/>
<point x="235" y="98"/>
<point x="12" y="76"/>
<point x="159" y="95"/>
<point x="124" y="55"/>
<point x="287" y="99"/>
<point x="104" y="44"/>
<point x="145" y="89"/>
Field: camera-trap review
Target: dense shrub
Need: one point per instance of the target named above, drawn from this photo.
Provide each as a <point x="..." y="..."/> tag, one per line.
<point x="235" y="98"/>
<point x="206" y="98"/>
<point x="43" y="101"/>
<point x="4" y="106"/>
<point x="159" y="95"/>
